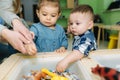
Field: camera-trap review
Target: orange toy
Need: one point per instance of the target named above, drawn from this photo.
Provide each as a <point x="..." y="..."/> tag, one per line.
<point x="35" y="76"/>
<point x="53" y="75"/>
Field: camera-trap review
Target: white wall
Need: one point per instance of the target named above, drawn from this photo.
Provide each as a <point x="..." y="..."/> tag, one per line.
<point x="28" y="9"/>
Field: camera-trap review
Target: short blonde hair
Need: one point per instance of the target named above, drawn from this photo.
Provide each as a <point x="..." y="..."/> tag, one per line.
<point x="84" y="9"/>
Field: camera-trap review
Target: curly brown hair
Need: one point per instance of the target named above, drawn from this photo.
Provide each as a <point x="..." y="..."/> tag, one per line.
<point x="55" y="3"/>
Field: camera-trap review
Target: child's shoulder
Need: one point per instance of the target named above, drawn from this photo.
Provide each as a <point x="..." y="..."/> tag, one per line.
<point x="59" y="26"/>
<point x="36" y="24"/>
<point x="90" y="34"/>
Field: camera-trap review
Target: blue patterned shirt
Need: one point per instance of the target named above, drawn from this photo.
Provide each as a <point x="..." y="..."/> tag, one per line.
<point x="85" y="42"/>
<point x="48" y="40"/>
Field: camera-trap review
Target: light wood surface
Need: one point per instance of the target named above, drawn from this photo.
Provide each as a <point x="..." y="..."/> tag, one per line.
<point x="101" y="27"/>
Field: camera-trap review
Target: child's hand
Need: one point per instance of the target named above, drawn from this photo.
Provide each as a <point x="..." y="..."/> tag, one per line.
<point x="32" y="34"/>
<point x="68" y="30"/>
<point x="60" y="50"/>
<point x="61" y="66"/>
<point x="31" y="48"/>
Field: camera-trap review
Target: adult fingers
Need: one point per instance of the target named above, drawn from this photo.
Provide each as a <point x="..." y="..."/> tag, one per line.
<point x="23" y="39"/>
<point x="26" y="33"/>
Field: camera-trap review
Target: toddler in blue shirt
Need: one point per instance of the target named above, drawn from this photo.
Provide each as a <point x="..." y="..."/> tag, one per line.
<point x="49" y="36"/>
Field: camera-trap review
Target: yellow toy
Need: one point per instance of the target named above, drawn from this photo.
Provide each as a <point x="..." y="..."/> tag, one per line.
<point x="53" y="75"/>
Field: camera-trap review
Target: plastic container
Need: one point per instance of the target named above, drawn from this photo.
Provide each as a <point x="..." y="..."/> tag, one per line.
<point x="25" y="64"/>
<point x="108" y="60"/>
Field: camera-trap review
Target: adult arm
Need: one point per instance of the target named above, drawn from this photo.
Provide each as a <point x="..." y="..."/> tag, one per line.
<point x="15" y="39"/>
<point x="8" y="14"/>
<point x="1" y="28"/>
<point x="7" y="11"/>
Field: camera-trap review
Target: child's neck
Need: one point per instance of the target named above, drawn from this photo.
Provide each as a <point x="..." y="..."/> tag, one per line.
<point x="52" y="27"/>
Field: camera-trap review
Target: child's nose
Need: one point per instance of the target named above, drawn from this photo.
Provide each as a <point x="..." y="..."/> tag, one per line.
<point x="73" y="26"/>
<point x="48" y="17"/>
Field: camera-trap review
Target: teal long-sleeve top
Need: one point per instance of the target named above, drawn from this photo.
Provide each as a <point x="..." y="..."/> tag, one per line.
<point x="48" y="40"/>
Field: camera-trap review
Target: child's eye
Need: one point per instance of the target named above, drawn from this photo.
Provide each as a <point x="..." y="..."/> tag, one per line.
<point x="77" y="23"/>
<point x="44" y="14"/>
<point x="53" y="15"/>
<point x="70" y="23"/>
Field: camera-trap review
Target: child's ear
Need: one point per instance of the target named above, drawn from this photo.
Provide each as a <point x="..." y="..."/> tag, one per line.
<point x="91" y="23"/>
<point x="37" y="12"/>
<point x="59" y="15"/>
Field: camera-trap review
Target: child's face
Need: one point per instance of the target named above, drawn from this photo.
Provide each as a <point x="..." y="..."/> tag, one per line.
<point x="48" y="15"/>
<point x="80" y="23"/>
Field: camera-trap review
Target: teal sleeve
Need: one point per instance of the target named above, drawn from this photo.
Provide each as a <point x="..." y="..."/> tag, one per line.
<point x="64" y="39"/>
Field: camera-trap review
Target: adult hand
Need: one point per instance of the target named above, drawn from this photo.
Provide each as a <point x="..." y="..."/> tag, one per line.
<point x="15" y="39"/>
<point x="18" y="26"/>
